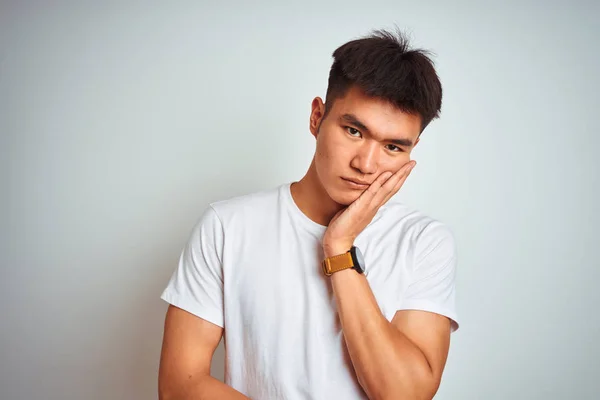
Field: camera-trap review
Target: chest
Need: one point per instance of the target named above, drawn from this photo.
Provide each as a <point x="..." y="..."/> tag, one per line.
<point x="278" y="279"/>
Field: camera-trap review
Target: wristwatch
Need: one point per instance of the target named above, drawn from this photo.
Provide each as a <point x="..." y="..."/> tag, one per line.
<point x="353" y="258"/>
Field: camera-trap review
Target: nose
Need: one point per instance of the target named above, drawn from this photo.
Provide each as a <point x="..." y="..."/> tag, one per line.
<point x="365" y="160"/>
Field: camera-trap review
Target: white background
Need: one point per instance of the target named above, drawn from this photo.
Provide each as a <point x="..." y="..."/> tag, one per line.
<point x="121" y="121"/>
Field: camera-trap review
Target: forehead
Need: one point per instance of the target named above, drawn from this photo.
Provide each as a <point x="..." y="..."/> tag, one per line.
<point x="380" y="116"/>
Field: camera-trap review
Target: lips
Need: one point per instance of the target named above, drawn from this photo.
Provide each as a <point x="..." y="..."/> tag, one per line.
<point x="356" y="184"/>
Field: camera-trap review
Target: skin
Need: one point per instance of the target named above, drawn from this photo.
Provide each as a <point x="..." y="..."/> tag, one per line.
<point x="344" y="149"/>
<point x="401" y="359"/>
<point x="404" y="358"/>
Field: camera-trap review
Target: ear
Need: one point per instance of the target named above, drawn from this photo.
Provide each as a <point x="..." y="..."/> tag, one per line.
<point x="316" y="115"/>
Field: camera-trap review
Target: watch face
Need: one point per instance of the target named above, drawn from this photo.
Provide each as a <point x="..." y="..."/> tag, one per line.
<point x="359" y="261"/>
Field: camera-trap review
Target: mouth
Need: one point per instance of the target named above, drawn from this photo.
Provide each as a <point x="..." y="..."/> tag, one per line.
<point x="355" y="184"/>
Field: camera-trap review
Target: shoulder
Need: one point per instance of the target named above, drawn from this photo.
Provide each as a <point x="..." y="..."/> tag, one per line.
<point x="422" y="230"/>
<point x="251" y="205"/>
<point x="414" y="220"/>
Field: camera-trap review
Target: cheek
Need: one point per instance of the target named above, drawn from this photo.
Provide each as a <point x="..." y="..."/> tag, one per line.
<point x="396" y="163"/>
<point x="322" y="160"/>
<point x="321" y="155"/>
<point x="327" y="153"/>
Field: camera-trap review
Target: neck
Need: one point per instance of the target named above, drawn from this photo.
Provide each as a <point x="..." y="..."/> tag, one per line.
<point x="312" y="199"/>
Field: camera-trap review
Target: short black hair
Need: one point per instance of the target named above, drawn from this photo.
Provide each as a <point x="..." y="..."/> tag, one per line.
<point x="383" y="65"/>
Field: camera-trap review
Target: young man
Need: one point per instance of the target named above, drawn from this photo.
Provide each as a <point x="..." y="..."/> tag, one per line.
<point x="322" y="288"/>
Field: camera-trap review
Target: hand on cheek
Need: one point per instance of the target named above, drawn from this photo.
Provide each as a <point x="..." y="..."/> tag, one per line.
<point x="348" y="223"/>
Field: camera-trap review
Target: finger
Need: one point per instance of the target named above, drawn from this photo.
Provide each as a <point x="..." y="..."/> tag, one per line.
<point x="385" y="183"/>
<point x="369" y="194"/>
<point x="393" y="184"/>
<point x="397" y="186"/>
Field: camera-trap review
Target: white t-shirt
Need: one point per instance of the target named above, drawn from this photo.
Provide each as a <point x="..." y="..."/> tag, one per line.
<point x="253" y="266"/>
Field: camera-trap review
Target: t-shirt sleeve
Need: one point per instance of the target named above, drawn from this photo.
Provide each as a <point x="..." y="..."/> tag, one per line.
<point x="432" y="285"/>
<point x="196" y="286"/>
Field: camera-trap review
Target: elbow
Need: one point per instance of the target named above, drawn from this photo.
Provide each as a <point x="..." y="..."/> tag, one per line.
<point x="422" y="387"/>
<point x="421" y="390"/>
<point x="415" y="386"/>
<point x="426" y="384"/>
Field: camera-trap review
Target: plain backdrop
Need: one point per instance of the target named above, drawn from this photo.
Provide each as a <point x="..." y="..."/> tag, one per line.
<point x="121" y="121"/>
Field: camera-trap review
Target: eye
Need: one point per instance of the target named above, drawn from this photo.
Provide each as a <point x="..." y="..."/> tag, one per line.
<point x="394" y="148"/>
<point x="352" y="131"/>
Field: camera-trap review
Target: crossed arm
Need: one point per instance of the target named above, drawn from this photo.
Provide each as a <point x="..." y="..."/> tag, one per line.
<point x="402" y="359"/>
<point x="189" y="343"/>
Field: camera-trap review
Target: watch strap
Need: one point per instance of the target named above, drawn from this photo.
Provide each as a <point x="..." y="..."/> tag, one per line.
<point x="337" y="263"/>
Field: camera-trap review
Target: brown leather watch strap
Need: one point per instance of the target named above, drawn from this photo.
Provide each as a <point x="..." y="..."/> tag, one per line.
<point x="337" y="263"/>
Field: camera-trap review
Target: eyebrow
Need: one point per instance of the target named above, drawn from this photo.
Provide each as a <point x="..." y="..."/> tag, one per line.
<point x="351" y="119"/>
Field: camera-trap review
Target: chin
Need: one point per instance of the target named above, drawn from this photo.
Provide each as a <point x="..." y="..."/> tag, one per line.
<point x="337" y="190"/>
<point x="344" y="196"/>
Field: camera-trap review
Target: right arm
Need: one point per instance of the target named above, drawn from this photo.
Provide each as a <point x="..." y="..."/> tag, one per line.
<point x="189" y="343"/>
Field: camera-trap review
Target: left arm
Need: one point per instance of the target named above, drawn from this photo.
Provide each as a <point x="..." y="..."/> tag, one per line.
<point x="402" y="359"/>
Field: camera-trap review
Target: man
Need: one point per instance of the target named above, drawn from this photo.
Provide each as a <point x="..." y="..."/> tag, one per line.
<point x="322" y="288"/>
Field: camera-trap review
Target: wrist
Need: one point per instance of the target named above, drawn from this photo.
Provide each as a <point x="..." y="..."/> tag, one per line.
<point x="331" y="250"/>
<point x="340" y="258"/>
